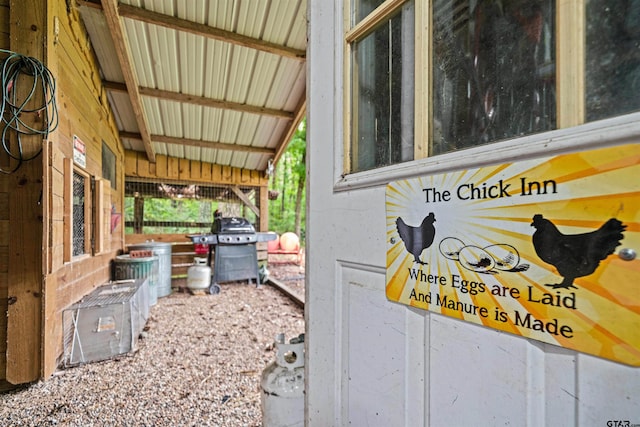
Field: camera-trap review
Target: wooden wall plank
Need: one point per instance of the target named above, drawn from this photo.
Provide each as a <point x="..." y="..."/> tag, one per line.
<point x="4" y="261"/>
<point x="4" y="206"/>
<point x="195" y="170"/>
<point x="205" y="172"/>
<point x="161" y="166"/>
<point x="173" y="168"/>
<point x="51" y="324"/>
<point x="143" y="166"/>
<point x="184" y="169"/>
<point x="131" y="239"/>
<point x="152" y="169"/>
<point x="227" y="174"/>
<point x="216" y="173"/>
<point x="131" y="162"/>
<point x="57" y="249"/>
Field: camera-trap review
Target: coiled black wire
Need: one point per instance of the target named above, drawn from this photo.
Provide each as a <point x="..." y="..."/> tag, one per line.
<point x="19" y="70"/>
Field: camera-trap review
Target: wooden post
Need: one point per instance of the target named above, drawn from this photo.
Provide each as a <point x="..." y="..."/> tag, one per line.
<point x="28" y="25"/>
<point x="263" y="204"/>
<point x="138" y="215"/>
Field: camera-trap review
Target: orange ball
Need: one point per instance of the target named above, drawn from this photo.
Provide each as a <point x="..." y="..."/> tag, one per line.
<point x="289" y="242"/>
<point x="273" y="245"/>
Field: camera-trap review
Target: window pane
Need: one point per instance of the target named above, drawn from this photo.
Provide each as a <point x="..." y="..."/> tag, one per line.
<point x="362" y="8"/>
<point x="108" y="165"/>
<point x="383" y="91"/>
<point x="612" y="58"/>
<point x="78" y="214"/>
<point x="493" y="71"/>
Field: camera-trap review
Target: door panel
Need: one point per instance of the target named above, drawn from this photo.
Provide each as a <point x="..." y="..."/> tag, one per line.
<point x="373" y="362"/>
<point x="375" y="350"/>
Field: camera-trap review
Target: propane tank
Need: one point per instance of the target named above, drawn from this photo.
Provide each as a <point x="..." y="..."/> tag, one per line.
<point x="283" y="385"/>
<point x="199" y="275"/>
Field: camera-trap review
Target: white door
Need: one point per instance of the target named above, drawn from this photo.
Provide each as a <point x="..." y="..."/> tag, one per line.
<point x="373" y="361"/>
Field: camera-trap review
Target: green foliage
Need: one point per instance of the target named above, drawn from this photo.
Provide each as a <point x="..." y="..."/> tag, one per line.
<point x="177" y="210"/>
<point x="287" y="212"/>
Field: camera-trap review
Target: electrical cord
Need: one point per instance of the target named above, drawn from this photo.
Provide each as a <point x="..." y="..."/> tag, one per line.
<point x="20" y="70"/>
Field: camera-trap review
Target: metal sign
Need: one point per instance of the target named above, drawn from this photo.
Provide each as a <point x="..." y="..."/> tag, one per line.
<point x="542" y="248"/>
<point x="79" y="152"/>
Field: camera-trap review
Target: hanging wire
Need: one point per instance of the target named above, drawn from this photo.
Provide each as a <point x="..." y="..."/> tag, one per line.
<point x="20" y="70"/>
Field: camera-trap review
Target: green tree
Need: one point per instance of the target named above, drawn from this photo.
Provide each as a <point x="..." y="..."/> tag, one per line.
<point x="289" y="180"/>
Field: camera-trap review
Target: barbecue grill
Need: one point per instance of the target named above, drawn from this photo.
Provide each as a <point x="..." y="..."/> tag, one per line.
<point x="232" y="245"/>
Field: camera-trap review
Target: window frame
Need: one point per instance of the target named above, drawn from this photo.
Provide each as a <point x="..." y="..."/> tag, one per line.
<point x="357" y="33"/>
<point x="89" y="219"/>
<point x="572" y="132"/>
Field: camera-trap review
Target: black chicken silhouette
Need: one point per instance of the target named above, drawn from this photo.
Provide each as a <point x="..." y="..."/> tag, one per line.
<point x="417" y="239"/>
<point x="575" y="255"/>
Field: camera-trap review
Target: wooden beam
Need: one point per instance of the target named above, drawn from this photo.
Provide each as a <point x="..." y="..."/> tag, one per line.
<point x="263" y="197"/>
<point x="209" y="174"/>
<point x="200" y="143"/>
<point x="247" y="201"/>
<point x="110" y="9"/>
<point x="28" y="31"/>
<point x="138" y="215"/>
<point x="204" y="30"/>
<point x="301" y="110"/>
<point x="201" y="100"/>
<point x="178" y="24"/>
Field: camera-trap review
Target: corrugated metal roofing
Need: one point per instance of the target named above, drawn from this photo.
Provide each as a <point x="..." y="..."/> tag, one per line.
<point x="207" y="74"/>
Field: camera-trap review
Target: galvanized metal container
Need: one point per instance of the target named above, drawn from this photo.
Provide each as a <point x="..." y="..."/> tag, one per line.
<point x="128" y="267"/>
<point x="105" y="323"/>
<point x="163" y="252"/>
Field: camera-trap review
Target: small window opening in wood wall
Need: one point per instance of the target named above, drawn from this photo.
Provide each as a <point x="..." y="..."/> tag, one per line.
<point x="108" y="165"/>
<point x="79" y="216"/>
<point x="86" y="203"/>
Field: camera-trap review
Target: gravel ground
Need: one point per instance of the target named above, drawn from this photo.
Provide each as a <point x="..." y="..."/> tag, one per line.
<point x="199" y="364"/>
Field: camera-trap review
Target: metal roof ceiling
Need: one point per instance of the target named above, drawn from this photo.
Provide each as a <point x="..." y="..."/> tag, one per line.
<point x="219" y="81"/>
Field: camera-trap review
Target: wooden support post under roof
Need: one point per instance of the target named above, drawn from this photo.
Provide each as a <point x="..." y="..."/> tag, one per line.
<point x="110" y="9"/>
<point x="26" y="264"/>
<point x="138" y="215"/>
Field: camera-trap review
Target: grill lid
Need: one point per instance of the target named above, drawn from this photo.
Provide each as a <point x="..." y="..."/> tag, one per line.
<point x="232" y="225"/>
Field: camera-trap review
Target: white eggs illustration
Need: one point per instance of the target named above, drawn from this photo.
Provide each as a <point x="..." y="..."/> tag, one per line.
<point x="476" y="259"/>
<point x="450" y="248"/>
<point x="506" y="257"/>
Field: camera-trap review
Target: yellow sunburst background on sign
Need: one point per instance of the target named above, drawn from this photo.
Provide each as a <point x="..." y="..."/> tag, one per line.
<point x="578" y="192"/>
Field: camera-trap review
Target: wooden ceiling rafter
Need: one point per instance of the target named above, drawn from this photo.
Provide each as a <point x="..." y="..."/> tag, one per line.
<point x="114" y="11"/>
<point x="201" y="143"/>
<point x="299" y="114"/>
<point x="201" y="100"/>
<point x="110" y="9"/>
<point x="203" y="30"/>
